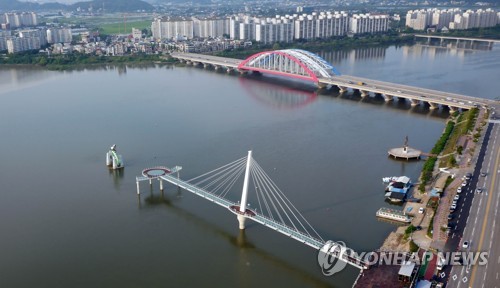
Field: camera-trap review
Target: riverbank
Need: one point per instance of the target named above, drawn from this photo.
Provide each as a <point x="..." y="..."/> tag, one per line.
<point x="454" y="148"/>
<point x="74" y="60"/>
<point x="341" y="43"/>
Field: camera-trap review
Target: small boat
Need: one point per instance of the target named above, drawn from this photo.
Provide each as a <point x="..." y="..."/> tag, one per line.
<point x="393" y="214"/>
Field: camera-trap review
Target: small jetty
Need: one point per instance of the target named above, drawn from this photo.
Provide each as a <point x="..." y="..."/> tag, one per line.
<point x="114" y="160"/>
<point x="393" y="214"/>
<point x="405" y="152"/>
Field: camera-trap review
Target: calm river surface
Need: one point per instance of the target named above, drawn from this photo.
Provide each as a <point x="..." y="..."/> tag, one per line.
<point x="67" y="221"/>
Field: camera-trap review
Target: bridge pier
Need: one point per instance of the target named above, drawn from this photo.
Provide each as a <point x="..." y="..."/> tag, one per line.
<point x="387" y="98"/>
<point x="241" y="221"/>
<point x="432" y="106"/>
<point x="414" y="102"/>
<point x="216" y="67"/>
<point x="452" y="109"/>
<point x="206" y="65"/>
<point x="363" y="93"/>
<point x="342" y="89"/>
<point x="321" y="85"/>
<point x="161" y="184"/>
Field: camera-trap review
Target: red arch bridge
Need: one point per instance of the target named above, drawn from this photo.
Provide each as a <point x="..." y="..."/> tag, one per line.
<point x="307" y="66"/>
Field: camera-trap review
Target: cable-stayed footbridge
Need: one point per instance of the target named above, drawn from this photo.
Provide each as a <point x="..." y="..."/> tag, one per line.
<point x="273" y="210"/>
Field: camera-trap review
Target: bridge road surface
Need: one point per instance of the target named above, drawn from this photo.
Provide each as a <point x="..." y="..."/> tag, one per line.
<point x="481" y="225"/>
<point x="415" y="94"/>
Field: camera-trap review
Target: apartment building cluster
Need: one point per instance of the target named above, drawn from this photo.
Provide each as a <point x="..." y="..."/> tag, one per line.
<point x="451" y="18"/>
<point x="15" y="20"/>
<point x="32" y="39"/>
<point x="269" y="30"/>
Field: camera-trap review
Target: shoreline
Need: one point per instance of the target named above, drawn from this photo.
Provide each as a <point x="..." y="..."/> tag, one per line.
<point x="429" y="239"/>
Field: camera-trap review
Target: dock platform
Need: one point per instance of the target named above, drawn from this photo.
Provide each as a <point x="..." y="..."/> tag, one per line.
<point x="405" y="153"/>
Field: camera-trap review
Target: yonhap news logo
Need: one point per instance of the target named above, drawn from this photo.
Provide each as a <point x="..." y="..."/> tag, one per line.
<point x="333" y="258"/>
<point x="329" y="257"/>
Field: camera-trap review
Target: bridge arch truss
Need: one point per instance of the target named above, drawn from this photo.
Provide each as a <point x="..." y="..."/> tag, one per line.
<point x="294" y="63"/>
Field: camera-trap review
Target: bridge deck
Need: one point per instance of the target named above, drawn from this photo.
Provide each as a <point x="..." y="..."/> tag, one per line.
<point x="365" y="85"/>
<point x="457" y="38"/>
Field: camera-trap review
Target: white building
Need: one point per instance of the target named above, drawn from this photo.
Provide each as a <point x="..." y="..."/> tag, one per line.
<point x="210" y="27"/>
<point x="19" y="19"/>
<point x="451" y="18"/>
<point x="59" y="35"/>
<point x="322" y="25"/>
<point x="418" y="19"/>
<point x="19" y="44"/>
<point x="40" y="33"/>
<point x="172" y="28"/>
<point x="136" y="33"/>
<point x="368" y="23"/>
<point x="279" y="29"/>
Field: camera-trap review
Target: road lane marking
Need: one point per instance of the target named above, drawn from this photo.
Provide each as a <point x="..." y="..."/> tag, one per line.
<point x="485" y="221"/>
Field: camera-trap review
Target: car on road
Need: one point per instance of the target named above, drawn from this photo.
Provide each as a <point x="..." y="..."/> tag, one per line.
<point x="479" y="190"/>
<point x="421" y="210"/>
<point x="465" y="244"/>
<point x="483" y="174"/>
<point x="459" y="190"/>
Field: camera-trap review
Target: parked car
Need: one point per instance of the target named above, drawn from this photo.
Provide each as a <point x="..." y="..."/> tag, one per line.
<point x="450" y="216"/>
<point x="459" y="190"/>
<point x="421" y="210"/>
<point x="456" y="197"/>
<point x="483" y="174"/>
<point x="464" y="183"/>
<point x="453" y="207"/>
<point x="479" y="190"/>
<point x="465" y="244"/>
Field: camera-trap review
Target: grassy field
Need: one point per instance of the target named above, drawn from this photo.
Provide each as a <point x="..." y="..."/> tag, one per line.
<point x="111" y="24"/>
<point x="119" y="28"/>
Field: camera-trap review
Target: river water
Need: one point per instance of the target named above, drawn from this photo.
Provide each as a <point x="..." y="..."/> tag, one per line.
<point x="67" y="221"/>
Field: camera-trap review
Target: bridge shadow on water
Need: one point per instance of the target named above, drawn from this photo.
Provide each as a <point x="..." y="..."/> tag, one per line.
<point x="284" y="93"/>
<point x="240" y="241"/>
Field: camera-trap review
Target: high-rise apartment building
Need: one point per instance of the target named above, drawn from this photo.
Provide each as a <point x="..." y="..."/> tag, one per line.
<point x="210" y="27"/>
<point x="15" y="20"/>
<point x="170" y="28"/>
<point x="59" y="35"/>
<point x="368" y="23"/>
<point x="451" y="18"/>
<point x="271" y="30"/>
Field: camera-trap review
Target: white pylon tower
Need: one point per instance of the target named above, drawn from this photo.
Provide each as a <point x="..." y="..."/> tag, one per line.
<point x="244" y="193"/>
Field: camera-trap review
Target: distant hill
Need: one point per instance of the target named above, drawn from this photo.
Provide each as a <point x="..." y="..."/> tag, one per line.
<point x="109" y="5"/>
